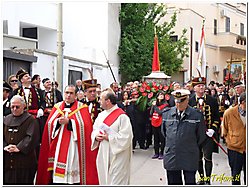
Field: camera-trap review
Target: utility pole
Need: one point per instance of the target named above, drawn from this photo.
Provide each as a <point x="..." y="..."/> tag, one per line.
<point x="60" y="45"/>
<point x="191" y="53"/>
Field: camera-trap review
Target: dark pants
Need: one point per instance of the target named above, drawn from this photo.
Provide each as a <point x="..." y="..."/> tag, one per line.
<point x="206" y="153"/>
<point x="237" y="162"/>
<point x="159" y="140"/>
<point x="175" y="177"/>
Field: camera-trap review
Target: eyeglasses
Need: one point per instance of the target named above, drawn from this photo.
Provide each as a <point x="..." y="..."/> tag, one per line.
<point x="13" y="80"/>
<point x="17" y="107"/>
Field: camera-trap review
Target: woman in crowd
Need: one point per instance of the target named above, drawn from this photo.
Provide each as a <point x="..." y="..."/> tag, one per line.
<point x="13" y="82"/>
<point x="156" y="121"/>
<point x="214" y="92"/>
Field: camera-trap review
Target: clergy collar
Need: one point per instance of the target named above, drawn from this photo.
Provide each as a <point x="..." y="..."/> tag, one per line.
<point x="68" y="105"/>
<point x="112" y="108"/>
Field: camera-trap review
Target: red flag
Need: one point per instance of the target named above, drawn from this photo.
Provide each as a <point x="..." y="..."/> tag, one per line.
<point x="155" y="63"/>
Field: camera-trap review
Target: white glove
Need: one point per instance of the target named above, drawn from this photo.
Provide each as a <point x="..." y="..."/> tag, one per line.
<point x="40" y="113"/>
<point x="210" y="132"/>
<point x="227" y="102"/>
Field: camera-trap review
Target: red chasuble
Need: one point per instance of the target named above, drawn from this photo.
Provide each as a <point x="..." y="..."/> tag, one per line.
<point x="87" y="158"/>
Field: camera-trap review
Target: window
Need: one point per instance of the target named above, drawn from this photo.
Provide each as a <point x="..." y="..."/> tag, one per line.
<point x="30" y="32"/>
<point x="196" y="46"/>
<point x="5" y="26"/>
<point x="73" y="76"/>
<point x="215" y="26"/>
<point x="174" y="38"/>
<point x="242" y="29"/>
<point x="227" y="24"/>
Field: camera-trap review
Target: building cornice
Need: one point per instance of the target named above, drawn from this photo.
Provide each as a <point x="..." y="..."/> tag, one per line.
<point x="232" y="7"/>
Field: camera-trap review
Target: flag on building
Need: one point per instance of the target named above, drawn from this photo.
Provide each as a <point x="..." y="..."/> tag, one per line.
<point x="155" y="63"/>
<point x="202" y="62"/>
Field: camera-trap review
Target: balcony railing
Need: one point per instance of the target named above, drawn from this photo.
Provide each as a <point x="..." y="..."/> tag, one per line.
<point x="231" y="40"/>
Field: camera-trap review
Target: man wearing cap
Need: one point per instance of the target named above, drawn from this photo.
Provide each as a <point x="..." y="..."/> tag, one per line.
<point x="210" y="109"/>
<point x="91" y="98"/>
<point x="239" y="88"/>
<point x="51" y="96"/>
<point x="184" y="131"/>
<point x="66" y="156"/>
<point x="6" y="101"/>
<point x="35" y="102"/>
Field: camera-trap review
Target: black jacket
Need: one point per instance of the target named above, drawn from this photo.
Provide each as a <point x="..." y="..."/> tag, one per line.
<point x="211" y="115"/>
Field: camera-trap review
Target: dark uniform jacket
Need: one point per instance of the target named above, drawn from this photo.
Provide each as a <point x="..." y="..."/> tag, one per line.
<point x="23" y="132"/>
<point x="35" y="101"/>
<point x="210" y="111"/>
<point x="55" y="97"/>
<point x="183" y="138"/>
<point x="221" y="102"/>
<point x="96" y="109"/>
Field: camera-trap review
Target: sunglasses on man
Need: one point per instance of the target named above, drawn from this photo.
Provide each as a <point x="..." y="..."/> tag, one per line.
<point x="17" y="107"/>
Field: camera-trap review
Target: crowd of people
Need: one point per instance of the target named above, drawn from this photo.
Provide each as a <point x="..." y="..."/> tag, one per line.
<point x="87" y="135"/>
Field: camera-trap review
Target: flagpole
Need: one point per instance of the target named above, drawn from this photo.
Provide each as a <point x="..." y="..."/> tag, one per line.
<point x="201" y="60"/>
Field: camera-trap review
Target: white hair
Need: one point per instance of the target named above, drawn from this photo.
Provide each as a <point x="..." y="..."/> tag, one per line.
<point x="18" y="97"/>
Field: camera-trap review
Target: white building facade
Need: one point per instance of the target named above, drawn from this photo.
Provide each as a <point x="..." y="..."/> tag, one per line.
<point x="90" y="35"/>
<point x="225" y="37"/>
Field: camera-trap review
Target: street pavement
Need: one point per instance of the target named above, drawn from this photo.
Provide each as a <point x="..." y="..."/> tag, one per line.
<point x="147" y="172"/>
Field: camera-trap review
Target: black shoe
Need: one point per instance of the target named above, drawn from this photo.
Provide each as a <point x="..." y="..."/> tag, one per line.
<point x="207" y="183"/>
<point x="143" y="147"/>
<point x="200" y="183"/>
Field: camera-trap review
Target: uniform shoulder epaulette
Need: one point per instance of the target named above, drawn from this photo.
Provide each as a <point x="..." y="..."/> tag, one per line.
<point x="166" y="109"/>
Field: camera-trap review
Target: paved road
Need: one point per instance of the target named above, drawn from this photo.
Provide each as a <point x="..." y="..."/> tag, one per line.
<point x="147" y="171"/>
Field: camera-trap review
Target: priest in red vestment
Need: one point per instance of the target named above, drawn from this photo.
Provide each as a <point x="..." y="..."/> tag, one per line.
<point x="65" y="155"/>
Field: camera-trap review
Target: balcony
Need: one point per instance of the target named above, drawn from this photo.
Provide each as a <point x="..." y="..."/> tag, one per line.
<point x="231" y="42"/>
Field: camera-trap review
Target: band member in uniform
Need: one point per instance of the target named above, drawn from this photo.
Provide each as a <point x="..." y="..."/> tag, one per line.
<point x="91" y="98"/>
<point x="210" y="109"/>
<point x="184" y="131"/>
<point x="51" y="96"/>
<point x="222" y="99"/>
<point x="66" y="156"/>
<point x="35" y="102"/>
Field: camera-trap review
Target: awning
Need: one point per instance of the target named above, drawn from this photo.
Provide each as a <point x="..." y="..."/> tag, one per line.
<point x="18" y="56"/>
